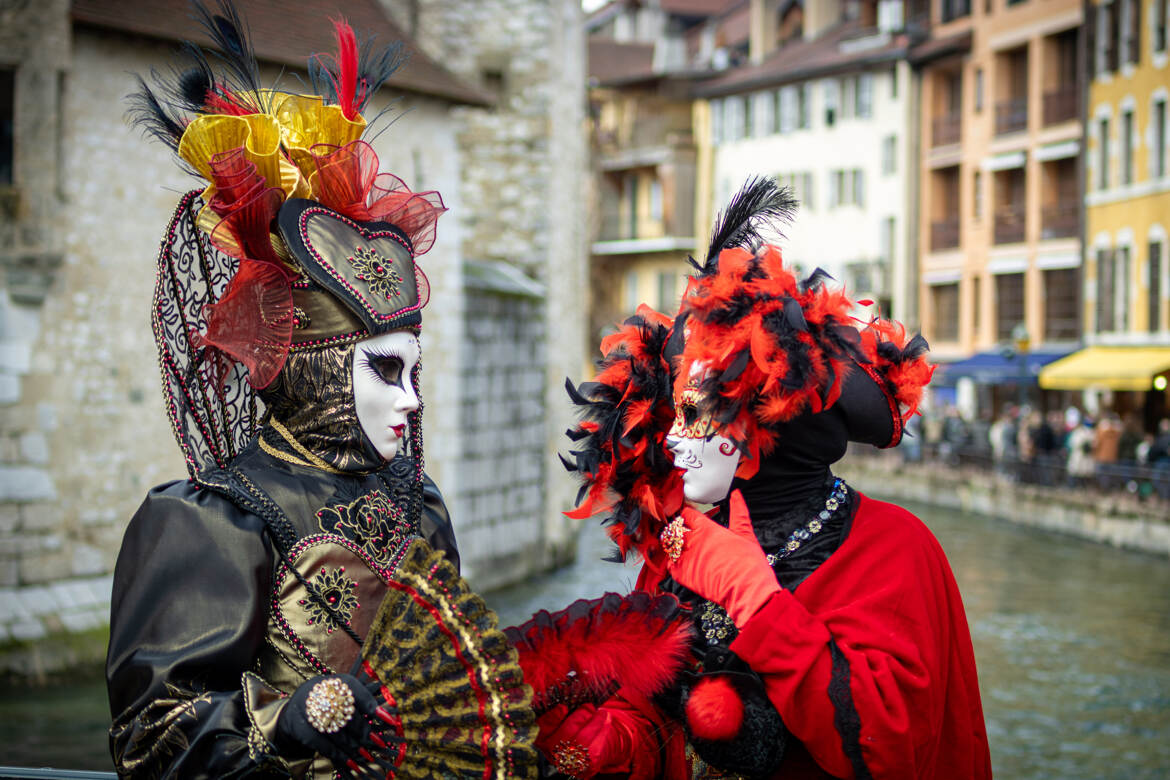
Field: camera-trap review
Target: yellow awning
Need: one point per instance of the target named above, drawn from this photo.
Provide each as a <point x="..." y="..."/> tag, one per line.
<point x="1113" y="368"/>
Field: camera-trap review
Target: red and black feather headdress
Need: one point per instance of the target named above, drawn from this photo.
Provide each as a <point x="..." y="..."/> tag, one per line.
<point x="621" y="454"/>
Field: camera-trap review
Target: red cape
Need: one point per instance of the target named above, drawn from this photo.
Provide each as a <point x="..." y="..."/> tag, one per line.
<point x="888" y="601"/>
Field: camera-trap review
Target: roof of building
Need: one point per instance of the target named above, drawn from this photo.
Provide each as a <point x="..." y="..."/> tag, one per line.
<point x="284" y="34"/>
<point x="937" y="48"/>
<point x="612" y="62"/>
<point x="843" y="47"/>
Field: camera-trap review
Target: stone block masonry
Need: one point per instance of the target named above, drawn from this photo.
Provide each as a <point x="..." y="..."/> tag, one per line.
<point x="498" y="508"/>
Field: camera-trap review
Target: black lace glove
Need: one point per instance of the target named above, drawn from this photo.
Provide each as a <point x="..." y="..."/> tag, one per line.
<point x="331" y="715"/>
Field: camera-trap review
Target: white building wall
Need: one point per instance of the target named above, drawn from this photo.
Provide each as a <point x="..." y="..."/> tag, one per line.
<point x="826" y="236"/>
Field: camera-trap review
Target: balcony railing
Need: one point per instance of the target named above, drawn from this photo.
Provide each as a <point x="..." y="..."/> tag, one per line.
<point x="1009" y="224"/>
<point x="1011" y="115"/>
<point x="617" y="225"/>
<point x="1060" y="221"/>
<point x="955" y="9"/>
<point x="946" y="129"/>
<point x="944" y="234"/>
<point x="1060" y="105"/>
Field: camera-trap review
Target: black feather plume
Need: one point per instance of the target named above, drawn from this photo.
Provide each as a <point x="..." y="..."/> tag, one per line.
<point x="760" y="202"/>
<point x="229" y="34"/>
<point x="153" y="116"/>
<point x="377" y="63"/>
<point x="195" y="81"/>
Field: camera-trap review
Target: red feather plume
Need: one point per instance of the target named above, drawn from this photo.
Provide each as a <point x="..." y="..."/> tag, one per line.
<point x="585" y="652"/>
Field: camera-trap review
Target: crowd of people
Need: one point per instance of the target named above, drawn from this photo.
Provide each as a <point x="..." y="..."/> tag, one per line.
<point x="1064" y="447"/>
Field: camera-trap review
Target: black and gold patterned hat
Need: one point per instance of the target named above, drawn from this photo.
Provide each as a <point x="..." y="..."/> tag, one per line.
<point x="359" y="278"/>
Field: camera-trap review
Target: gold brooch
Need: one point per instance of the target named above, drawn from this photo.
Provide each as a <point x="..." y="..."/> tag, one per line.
<point x="672" y="538"/>
<point x="571" y="759"/>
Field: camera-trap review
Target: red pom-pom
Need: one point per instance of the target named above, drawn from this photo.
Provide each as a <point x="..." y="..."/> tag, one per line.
<point x="714" y="709"/>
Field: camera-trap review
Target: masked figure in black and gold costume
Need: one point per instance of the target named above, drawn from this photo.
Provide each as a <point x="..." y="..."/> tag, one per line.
<point x="287" y="315"/>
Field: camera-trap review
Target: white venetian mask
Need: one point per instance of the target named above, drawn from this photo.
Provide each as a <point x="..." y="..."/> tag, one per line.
<point x="708" y="460"/>
<point x="383" y="393"/>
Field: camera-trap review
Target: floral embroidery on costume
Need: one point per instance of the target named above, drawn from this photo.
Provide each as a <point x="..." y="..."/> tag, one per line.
<point x="373" y="522"/>
<point x="377" y="272"/>
<point x="339" y="591"/>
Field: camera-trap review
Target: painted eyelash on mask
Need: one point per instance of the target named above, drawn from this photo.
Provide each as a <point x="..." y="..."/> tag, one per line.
<point x="368" y="358"/>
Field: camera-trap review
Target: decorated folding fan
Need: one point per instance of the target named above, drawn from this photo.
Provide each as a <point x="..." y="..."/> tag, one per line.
<point x="449" y="678"/>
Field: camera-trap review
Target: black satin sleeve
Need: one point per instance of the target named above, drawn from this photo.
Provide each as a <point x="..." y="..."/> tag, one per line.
<point x="436" y="528"/>
<point x="188" y="615"/>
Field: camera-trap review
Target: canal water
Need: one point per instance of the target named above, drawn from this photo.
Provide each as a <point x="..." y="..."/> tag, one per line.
<point x="1072" y="641"/>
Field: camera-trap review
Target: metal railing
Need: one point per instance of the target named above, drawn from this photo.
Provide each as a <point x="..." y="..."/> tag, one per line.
<point x="1009" y="224"/>
<point x="1061" y="104"/>
<point x="1060" y="221"/>
<point x="955" y="9"/>
<point x="946" y="129"/>
<point x="1145" y="481"/>
<point x="944" y="234"/>
<point x="1011" y="115"/>
<point x="24" y="773"/>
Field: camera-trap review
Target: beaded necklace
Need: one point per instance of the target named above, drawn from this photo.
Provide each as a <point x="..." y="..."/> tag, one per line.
<point x="717" y="626"/>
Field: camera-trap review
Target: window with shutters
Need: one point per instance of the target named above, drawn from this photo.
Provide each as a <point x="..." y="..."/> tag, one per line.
<point x="1009" y="304"/>
<point x="944" y="309"/>
<point x="1060" y="304"/>
<point x="1126" y="147"/>
<point x="1105" y="290"/>
<point x="1103" y="153"/>
<point x="1154" y="294"/>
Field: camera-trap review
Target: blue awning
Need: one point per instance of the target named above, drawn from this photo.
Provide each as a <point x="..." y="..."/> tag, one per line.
<point x="994" y="368"/>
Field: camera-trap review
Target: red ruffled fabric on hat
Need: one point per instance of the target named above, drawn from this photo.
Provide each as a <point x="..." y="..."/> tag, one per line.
<point x="347" y="181"/>
<point x="252" y="321"/>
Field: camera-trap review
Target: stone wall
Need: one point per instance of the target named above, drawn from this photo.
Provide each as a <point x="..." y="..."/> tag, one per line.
<point x="82" y="430"/>
<point x="500" y="505"/>
<point x="1119" y="519"/>
<point x="523" y="184"/>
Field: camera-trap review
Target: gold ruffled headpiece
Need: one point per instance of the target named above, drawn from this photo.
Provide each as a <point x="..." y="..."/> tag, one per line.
<point x="346" y="269"/>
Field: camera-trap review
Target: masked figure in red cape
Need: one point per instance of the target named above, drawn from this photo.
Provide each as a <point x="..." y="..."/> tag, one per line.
<point x="294" y="609"/>
<point x="832" y="637"/>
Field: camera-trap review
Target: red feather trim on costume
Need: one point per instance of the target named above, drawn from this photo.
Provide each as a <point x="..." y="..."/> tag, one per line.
<point x="585" y="652"/>
<point x="350" y="94"/>
<point x="626" y="467"/>
<point x="900" y="361"/>
<point x="771" y="347"/>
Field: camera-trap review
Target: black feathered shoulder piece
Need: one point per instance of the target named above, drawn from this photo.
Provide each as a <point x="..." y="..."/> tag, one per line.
<point x="626" y="470"/>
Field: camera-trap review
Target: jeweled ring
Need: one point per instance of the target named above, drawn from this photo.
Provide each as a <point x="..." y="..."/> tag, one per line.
<point x="672" y="538"/>
<point x="571" y="758"/>
<point x="329" y="706"/>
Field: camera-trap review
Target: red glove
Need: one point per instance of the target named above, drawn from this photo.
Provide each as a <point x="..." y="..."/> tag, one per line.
<point x="724" y="565"/>
<point x="610" y="739"/>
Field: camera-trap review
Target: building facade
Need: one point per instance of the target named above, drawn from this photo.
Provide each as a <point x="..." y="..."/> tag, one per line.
<point x="825" y="106"/>
<point x="644" y="59"/>
<point x="1126" y="292"/>
<point x="1000" y="212"/>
